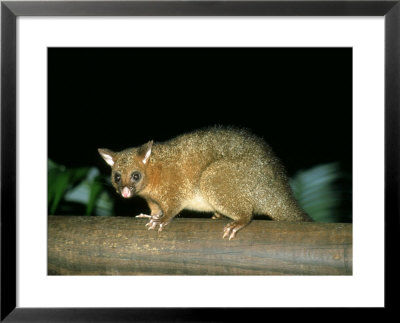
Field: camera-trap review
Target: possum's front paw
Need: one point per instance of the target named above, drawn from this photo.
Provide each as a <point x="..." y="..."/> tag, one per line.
<point x="155" y="220"/>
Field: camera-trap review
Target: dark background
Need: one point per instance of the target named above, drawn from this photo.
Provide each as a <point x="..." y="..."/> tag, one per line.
<point x="298" y="99"/>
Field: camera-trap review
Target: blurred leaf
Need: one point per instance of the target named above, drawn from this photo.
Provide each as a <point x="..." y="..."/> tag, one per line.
<point x="54" y="171"/>
<point x="77" y="185"/>
<point x="95" y="190"/>
<point x="90" y="192"/>
<point x="92" y="174"/>
<point x="59" y="186"/>
<point x="78" y="193"/>
<point x="323" y="192"/>
<point x="78" y="174"/>
<point x="104" y="204"/>
<point x="51" y="165"/>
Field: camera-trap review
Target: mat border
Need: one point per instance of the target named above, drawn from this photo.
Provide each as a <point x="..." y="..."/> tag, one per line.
<point x="10" y="10"/>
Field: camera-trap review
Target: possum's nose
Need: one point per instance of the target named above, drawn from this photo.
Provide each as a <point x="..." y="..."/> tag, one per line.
<point x="126" y="192"/>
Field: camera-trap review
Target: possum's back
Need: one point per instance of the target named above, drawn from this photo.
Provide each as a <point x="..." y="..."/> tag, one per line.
<point x="218" y="142"/>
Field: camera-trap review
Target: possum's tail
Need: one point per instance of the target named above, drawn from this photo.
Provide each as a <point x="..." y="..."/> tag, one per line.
<point x="286" y="208"/>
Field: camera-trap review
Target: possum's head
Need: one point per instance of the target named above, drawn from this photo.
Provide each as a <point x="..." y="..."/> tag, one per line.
<point x="128" y="168"/>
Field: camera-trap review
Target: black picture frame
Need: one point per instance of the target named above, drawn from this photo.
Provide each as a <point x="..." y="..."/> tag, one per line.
<point x="10" y="10"/>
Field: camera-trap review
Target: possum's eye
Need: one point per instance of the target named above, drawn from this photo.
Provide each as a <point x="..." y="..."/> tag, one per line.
<point x="117" y="177"/>
<point x="136" y="176"/>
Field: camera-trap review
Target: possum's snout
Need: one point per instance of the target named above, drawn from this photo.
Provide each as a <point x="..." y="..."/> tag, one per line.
<point x="126" y="192"/>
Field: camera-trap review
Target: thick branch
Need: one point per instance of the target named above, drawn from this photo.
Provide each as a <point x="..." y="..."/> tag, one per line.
<point x="123" y="246"/>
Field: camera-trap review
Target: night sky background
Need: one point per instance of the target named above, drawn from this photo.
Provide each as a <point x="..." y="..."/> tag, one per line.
<point x="298" y="99"/>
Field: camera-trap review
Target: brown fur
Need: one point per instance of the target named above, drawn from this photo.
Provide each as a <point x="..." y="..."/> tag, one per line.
<point x="222" y="170"/>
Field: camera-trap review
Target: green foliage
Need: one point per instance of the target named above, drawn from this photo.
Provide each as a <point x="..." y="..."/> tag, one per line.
<point x="324" y="192"/>
<point x="81" y="186"/>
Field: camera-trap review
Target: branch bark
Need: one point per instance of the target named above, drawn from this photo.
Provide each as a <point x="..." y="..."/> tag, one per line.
<point x="82" y="245"/>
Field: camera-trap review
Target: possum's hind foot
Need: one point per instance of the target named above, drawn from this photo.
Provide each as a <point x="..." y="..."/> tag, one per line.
<point x="232" y="228"/>
<point x="216" y="215"/>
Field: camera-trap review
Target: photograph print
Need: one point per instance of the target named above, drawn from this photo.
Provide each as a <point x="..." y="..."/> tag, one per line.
<point x="199" y="161"/>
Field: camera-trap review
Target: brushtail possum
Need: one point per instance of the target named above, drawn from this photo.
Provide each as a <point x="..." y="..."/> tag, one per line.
<point x="226" y="171"/>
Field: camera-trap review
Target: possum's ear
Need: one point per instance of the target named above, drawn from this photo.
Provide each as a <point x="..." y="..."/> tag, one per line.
<point x="108" y="155"/>
<point x="145" y="152"/>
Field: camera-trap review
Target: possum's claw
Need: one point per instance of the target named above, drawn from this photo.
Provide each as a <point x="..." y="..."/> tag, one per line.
<point x="232" y="228"/>
<point x="154" y="221"/>
<point x="162" y="225"/>
<point x="151" y="225"/>
<point x="229" y="231"/>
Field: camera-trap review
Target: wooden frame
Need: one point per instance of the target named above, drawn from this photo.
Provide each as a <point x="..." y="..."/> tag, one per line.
<point x="10" y="10"/>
